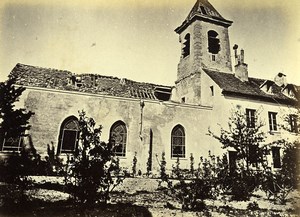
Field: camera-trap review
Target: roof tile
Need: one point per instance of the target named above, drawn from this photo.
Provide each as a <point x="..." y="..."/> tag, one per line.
<point x="90" y="83"/>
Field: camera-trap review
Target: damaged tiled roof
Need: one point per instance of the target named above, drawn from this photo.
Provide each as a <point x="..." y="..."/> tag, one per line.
<point x="231" y="85"/>
<point x="203" y="10"/>
<point x="91" y="83"/>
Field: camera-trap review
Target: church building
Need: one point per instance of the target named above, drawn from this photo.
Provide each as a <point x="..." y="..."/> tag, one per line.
<point x="146" y="119"/>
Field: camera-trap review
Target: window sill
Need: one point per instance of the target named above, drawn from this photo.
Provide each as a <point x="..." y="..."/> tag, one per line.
<point x="8" y="153"/>
<point x="294" y="134"/>
<point x="180" y="158"/>
<point x="273" y="132"/>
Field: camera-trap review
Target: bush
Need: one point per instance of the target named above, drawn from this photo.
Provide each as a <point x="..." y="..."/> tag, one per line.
<point x="278" y="184"/>
<point x="192" y="193"/>
<point x="163" y="164"/>
<point x="253" y="206"/>
<point x="89" y="173"/>
<point x="240" y="183"/>
<point x="134" y="162"/>
<point x="14" y="171"/>
<point x="54" y="164"/>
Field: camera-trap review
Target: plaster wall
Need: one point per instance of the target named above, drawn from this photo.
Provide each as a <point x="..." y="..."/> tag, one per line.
<point x="189" y="72"/>
<point x="52" y="107"/>
<point x="224" y="105"/>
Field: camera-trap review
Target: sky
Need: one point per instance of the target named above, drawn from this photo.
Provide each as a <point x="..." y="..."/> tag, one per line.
<point x="135" y="39"/>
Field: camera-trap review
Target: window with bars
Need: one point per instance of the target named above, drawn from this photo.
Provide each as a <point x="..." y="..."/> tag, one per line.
<point x="69" y="135"/>
<point x="272" y="121"/>
<point x="293" y="123"/>
<point x="118" y="136"/>
<point x="178" y="142"/>
<point x="276" y="157"/>
<point x="250" y="118"/>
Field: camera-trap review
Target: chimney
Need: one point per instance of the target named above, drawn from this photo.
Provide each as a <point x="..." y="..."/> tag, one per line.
<point x="241" y="68"/>
<point x="235" y="47"/>
<point x="280" y="79"/>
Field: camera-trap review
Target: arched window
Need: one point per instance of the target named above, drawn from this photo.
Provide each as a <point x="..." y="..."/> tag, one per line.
<point x="178" y="142"/>
<point x="118" y="136"/>
<point x="213" y="42"/>
<point x="186" y="45"/>
<point x="69" y="134"/>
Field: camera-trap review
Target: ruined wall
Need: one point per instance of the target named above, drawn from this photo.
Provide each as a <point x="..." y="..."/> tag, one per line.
<point x="189" y="88"/>
<point x="52" y="107"/>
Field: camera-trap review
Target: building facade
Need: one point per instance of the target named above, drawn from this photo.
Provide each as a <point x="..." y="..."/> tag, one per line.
<point x="147" y="119"/>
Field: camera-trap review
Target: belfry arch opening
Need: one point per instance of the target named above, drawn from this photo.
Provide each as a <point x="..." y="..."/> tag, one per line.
<point x="186" y="45"/>
<point x="213" y="42"/>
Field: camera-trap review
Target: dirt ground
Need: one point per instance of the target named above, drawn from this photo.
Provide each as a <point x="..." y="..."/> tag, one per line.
<point x="141" y="197"/>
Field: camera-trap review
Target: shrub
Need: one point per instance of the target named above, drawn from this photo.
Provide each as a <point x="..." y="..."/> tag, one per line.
<point x="134" y="162"/>
<point x="192" y="193"/>
<point x="240" y="183"/>
<point x="54" y="164"/>
<point x="15" y="171"/>
<point x="278" y="184"/>
<point x="176" y="172"/>
<point x="253" y="206"/>
<point x="149" y="164"/>
<point x="192" y="162"/>
<point x="163" y="164"/>
<point x="89" y="172"/>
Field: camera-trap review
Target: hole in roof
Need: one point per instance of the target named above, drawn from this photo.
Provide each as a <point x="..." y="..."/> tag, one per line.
<point x="203" y="10"/>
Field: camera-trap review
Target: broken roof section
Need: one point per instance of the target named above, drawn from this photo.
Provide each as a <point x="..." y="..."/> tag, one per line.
<point x="203" y="10"/>
<point x="90" y="83"/>
<point x="252" y="89"/>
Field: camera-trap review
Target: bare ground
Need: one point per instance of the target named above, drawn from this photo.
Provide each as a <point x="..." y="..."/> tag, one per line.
<point x="141" y="197"/>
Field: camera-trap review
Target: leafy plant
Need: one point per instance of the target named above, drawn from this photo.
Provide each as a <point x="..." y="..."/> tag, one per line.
<point x="176" y="172"/>
<point x="13" y="122"/>
<point x="54" y="164"/>
<point x="134" y="162"/>
<point x="253" y="206"/>
<point x="239" y="178"/>
<point x="149" y="164"/>
<point x="279" y="183"/>
<point x="15" y="171"/>
<point x="192" y="162"/>
<point x="90" y="171"/>
<point x="243" y="138"/>
<point x="204" y="185"/>
<point x="163" y="164"/>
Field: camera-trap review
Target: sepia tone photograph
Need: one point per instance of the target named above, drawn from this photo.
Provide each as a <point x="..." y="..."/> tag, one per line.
<point x="149" y="108"/>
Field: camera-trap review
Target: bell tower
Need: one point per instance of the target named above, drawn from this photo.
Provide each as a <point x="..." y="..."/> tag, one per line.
<point x="204" y="44"/>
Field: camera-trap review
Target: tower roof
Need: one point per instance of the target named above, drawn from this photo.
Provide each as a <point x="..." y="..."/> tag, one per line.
<point x="203" y="10"/>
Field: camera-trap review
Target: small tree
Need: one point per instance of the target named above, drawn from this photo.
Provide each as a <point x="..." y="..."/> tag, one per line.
<point x="90" y="170"/>
<point x="13" y="122"/>
<point x="246" y="140"/>
<point x="281" y="182"/>
<point x="134" y="162"/>
<point x="163" y="164"/>
<point x="176" y="171"/>
<point x="149" y="163"/>
<point x="192" y="162"/>
<point x="54" y="164"/>
<point x="243" y="138"/>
